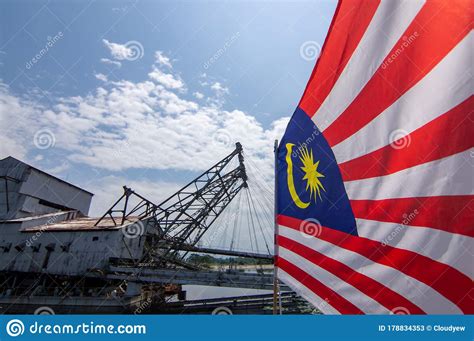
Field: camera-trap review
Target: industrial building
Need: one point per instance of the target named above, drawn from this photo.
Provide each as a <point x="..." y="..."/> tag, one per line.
<point x="56" y="259"/>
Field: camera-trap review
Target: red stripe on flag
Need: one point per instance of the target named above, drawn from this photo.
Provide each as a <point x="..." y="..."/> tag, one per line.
<point x="448" y="281"/>
<point x="447" y="24"/>
<point x="380" y="293"/>
<point x="454" y="213"/>
<point x="342" y="39"/>
<point x="333" y="298"/>
<point x="444" y="136"/>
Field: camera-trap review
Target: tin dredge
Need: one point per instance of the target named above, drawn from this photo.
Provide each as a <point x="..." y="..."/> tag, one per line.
<point x="133" y="259"/>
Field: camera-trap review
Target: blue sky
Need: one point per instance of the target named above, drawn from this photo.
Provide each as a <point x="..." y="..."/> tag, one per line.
<point x="205" y="75"/>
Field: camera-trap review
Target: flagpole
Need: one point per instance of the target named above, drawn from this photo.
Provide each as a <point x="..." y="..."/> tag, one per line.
<point x="275" y="247"/>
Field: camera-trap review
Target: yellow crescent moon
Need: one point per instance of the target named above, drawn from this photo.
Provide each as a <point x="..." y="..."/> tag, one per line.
<point x="291" y="184"/>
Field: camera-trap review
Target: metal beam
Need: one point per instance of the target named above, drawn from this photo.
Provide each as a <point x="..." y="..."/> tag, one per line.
<point x="191" y="248"/>
<point x="185" y="216"/>
<point x="187" y="277"/>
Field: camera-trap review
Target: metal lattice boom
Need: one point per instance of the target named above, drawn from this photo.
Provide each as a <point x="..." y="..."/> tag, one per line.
<point x="180" y="221"/>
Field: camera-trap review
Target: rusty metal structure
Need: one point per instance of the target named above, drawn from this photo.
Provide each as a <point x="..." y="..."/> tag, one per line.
<point x="180" y="221"/>
<point x="132" y="258"/>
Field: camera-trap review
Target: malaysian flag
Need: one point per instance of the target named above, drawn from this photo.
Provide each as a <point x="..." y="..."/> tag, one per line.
<point x="375" y="170"/>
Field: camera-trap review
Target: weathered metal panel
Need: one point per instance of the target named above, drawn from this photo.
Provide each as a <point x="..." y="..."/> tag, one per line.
<point x="29" y="191"/>
<point x="43" y="186"/>
<point x="63" y="252"/>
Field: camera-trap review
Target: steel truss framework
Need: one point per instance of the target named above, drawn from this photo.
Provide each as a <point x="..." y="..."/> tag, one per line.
<point x="169" y="230"/>
<point x="180" y="221"/>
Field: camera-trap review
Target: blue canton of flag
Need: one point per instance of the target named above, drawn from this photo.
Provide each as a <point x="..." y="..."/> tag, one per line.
<point x="310" y="185"/>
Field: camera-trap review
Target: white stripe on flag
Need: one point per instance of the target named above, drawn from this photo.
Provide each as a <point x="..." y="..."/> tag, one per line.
<point x="387" y="26"/>
<point x="306" y="293"/>
<point x="451" y="249"/>
<point x="365" y="303"/>
<point x="451" y="175"/>
<point x="444" y="87"/>
<point x="422" y="295"/>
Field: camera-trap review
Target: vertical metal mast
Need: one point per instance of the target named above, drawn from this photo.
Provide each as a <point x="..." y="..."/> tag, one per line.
<point x="275" y="249"/>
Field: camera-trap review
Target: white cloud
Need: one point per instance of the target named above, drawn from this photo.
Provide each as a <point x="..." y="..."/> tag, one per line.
<point x="14" y="133"/>
<point x="118" y="51"/>
<point x="142" y="125"/>
<point x="111" y="62"/>
<point x="198" y="95"/>
<point x="108" y="188"/>
<point x="120" y="9"/>
<point x="219" y="88"/>
<point x="162" y="60"/>
<point x="8" y="147"/>
<point x="168" y="80"/>
<point x="59" y="168"/>
<point x="101" y="77"/>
